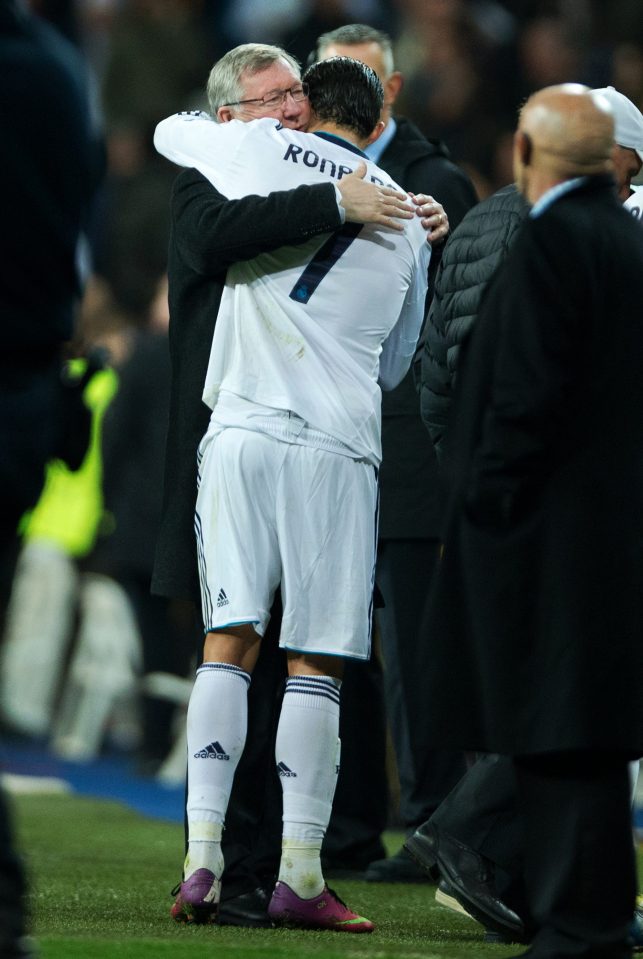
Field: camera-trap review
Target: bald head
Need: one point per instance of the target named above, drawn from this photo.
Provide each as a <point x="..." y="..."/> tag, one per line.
<point x="564" y="131"/>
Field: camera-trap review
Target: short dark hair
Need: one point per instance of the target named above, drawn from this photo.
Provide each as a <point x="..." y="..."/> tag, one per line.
<point x="347" y="92"/>
<point x="351" y="35"/>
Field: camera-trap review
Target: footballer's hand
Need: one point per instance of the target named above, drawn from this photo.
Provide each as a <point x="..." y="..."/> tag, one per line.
<point x="434" y="218"/>
<point x="366" y="202"/>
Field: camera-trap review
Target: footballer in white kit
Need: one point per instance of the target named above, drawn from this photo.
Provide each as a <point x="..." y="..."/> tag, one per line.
<point x="288" y="465"/>
<point x="305" y="338"/>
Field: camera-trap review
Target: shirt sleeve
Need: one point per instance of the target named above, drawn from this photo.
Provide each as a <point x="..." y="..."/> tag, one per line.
<point x="194" y="139"/>
<point x="399" y="347"/>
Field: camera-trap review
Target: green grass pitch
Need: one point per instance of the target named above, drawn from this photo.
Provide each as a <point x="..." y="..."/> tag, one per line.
<point x="100" y="878"/>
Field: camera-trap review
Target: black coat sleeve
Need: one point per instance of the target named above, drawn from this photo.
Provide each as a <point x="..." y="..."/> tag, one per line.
<point x="450" y="186"/>
<point x="435" y="391"/>
<point x="213" y="232"/>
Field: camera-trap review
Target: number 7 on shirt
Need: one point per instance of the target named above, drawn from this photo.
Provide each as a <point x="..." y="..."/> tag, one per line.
<point x="324" y="259"/>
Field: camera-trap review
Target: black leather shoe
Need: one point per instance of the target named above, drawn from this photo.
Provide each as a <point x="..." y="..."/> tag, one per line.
<point x="470" y="876"/>
<point x="398" y="868"/>
<point x="247" y="909"/>
<point x="444" y="897"/>
<point x="422" y="847"/>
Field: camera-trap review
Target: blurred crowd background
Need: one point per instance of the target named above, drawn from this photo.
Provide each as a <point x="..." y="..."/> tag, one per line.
<point x="467" y="66"/>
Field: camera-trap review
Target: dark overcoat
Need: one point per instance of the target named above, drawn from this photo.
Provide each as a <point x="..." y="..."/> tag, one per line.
<point x="409" y="507"/>
<point x="536" y="615"/>
<point x="209" y="234"/>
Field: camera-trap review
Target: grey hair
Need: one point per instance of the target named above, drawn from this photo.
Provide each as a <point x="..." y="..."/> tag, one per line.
<point x="225" y="81"/>
<point x="354" y="33"/>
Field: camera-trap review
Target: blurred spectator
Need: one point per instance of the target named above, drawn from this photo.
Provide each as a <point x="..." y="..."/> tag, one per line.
<point x="549" y="53"/>
<point x="62" y="14"/>
<point x="82" y="627"/>
<point x="456" y="65"/>
<point x="58" y="533"/>
<point x="618" y="22"/>
<point x="245" y="20"/>
<point x="323" y="16"/>
<point x="130" y="246"/>
<point x="471" y="63"/>
<point x="51" y="168"/>
<point x="157" y="56"/>
<point x="628" y="71"/>
<point x="133" y="452"/>
<point x="95" y="19"/>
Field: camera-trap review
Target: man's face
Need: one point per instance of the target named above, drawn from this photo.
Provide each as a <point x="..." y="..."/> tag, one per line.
<point x="370" y="54"/>
<point x="276" y="79"/>
<point x="627" y="165"/>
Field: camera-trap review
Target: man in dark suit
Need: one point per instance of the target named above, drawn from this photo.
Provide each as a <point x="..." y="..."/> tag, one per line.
<point x="475" y="834"/>
<point x="208" y="235"/>
<point x="408" y="539"/>
<point x="535" y="616"/>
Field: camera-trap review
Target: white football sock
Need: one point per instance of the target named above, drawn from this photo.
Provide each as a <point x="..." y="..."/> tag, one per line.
<point x="216" y="734"/>
<point x="307" y="754"/>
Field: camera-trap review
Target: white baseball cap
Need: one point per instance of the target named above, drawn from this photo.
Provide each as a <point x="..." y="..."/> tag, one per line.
<point x="628" y="120"/>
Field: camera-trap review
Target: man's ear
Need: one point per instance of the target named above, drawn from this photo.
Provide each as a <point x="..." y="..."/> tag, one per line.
<point x="392" y="87"/>
<point x="524" y="147"/>
<point x="224" y="115"/>
<point x="378" y="130"/>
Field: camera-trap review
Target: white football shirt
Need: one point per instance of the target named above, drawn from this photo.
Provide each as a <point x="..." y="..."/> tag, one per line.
<point x="308" y="328"/>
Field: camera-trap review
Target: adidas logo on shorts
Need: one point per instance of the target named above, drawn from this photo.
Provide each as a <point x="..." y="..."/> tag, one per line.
<point x="283" y="770"/>
<point x="222" y="599"/>
<point x="213" y="751"/>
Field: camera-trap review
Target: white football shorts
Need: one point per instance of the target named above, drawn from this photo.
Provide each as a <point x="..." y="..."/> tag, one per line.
<point x="271" y="512"/>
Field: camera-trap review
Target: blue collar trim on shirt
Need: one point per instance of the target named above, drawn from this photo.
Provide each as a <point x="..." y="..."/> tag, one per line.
<point x="340" y="141"/>
<point x="375" y="150"/>
<point x="555" y="193"/>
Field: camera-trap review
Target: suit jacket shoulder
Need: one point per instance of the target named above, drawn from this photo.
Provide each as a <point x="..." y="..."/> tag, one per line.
<point x="425" y="166"/>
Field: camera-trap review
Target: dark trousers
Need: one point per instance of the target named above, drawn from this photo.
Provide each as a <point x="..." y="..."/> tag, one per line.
<point x="580" y="873"/>
<point x="404" y="571"/>
<point x="389" y="688"/>
<point x="167" y="632"/>
<point x="482" y="812"/>
<point x="252" y="837"/>
<point x="29" y="428"/>
<point x="12" y="878"/>
<point x="360" y="806"/>
<point x="559" y="831"/>
<point x="12" y="885"/>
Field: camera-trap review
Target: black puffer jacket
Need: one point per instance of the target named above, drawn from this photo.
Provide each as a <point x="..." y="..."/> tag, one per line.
<point x="472" y="254"/>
